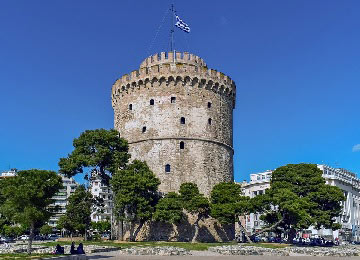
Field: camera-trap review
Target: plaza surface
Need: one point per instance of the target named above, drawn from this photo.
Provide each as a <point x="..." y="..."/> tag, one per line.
<point x="202" y="255"/>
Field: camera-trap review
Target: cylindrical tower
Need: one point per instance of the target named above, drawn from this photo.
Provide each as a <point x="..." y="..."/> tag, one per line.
<point x="177" y="116"/>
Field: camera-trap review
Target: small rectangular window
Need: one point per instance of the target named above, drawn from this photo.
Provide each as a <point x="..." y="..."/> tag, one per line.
<point x="144" y="129"/>
<point x="182" y="120"/>
<point x="167" y="168"/>
<point x="130" y="107"/>
<point x="209" y="104"/>
<point x="151" y="102"/>
<point x="173" y="99"/>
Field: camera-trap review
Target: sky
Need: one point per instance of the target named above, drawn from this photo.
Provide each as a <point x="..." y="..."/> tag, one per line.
<point x="296" y="65"/>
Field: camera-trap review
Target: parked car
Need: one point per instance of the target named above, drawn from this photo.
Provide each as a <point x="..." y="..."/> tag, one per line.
<point x="53" y="237"/>
<point x="23" y="237"/>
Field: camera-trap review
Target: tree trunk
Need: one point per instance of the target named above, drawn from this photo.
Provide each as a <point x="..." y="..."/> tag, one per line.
<point x="132" y="225"/>
<point x="121" y="230"/>
<point x="269" y="229"/>
<point x="196" y="225"/>
<point x="31" y="237"/>
<point x="85" y="234"/>
<point x="244" y="230"/>
<point x="136" y="232"/>
<point x="291" y="235"/>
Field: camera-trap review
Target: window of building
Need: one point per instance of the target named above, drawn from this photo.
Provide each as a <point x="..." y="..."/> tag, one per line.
<point x="130" y="107"/>
<point x="209" y="104"/>
<point x="260" y="192"/>
<point x="151" y="102"/>
<point x="182" y="145"/>
<point x="167" y="168"/>
<point x="173" y="99"/>
<point x="255" y="193"/>
<point x="209" y="121"/>
<point x="144" y="129"/>
<point x="182" y="120"/>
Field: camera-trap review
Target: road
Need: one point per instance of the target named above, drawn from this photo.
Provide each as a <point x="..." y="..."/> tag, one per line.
<point x="201" y="255"/>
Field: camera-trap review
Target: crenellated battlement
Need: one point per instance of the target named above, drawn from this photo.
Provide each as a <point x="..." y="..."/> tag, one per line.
<point x="168" y="58"/>
<point x="188" y="69"/>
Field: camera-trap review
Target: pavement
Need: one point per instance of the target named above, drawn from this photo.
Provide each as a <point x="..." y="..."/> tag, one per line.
<point x="207" y="255"/>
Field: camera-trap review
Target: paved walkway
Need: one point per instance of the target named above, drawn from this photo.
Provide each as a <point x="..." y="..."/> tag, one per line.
<point x="206" y="255"/>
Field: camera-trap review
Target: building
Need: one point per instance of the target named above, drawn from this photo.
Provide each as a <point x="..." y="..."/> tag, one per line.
<point x="61" y="199"/>
<point x="100" y="190"/>
<point x="347" y="181"/>
<point x="9" y="173"/>
<point x="177" y="115"/>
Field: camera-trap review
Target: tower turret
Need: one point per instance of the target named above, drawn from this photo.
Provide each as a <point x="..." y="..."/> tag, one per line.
<point x="178" y="117"/>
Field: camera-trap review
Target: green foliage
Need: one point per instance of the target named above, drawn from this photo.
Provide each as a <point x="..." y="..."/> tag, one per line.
<point x="299" y="197"/>
<point x="135" y="191"/>
<point x="78" y="211"/>
<point x="100" y="149"/>
<point x="46" y="230"/>
<point x="193" y="201"/>
<point x="228" y="203"/>
<point x="101" y="226"/>
<point x="28" y="196"/>
<point x="169" y="209"/>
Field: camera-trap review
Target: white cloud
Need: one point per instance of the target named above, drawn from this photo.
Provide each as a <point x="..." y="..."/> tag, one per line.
<point x="356" y="148"/>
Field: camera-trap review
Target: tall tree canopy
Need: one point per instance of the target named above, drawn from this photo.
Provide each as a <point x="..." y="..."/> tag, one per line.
<point x="78" y="211"/>
<point x="298" y="197"/>
<point x="228" y="204"/>
<point x="169" y="209"/>
<point x="194" y="203"/>
<point x="135" y="194"/>
<point x="27" y="197"/>
<point x="102" y="150"/>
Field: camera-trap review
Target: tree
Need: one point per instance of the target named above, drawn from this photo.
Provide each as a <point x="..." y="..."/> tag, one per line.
<point x="194" y="203"/>
<point x="169" y="209"/>
<point x="135" y="194"/>
<point x="298" y="198"/>
<point x="102" y="150"/>
<point x="101" y="226"/>
<point x="228" y="205"/>
<point x="27" y="198"/>
<point x="46" y="230"/>
<point x="78" y="212"/>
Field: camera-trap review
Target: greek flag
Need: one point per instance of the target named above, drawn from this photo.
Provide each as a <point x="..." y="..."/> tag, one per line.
<point x="182" y="25"/>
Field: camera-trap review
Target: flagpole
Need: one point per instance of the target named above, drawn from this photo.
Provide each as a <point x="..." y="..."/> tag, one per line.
<point x="172" y="45"/>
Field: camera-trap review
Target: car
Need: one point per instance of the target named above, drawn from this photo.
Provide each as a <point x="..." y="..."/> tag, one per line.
<point x="7" y="239"/>
<point x="53" y="237"/>
<point x="23" y="237"/>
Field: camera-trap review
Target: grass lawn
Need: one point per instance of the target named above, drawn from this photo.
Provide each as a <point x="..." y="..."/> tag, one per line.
<point x="267" y="245"/>
<point x="24" y="256"/>
<point x="186" y="245"/>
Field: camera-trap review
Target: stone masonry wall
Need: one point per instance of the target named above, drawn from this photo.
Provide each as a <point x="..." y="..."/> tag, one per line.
<point x="148" y="106"/>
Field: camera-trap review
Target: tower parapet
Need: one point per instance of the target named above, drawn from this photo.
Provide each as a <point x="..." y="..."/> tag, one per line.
<point x="185" y="69"/>
<point x="177" y="116"/>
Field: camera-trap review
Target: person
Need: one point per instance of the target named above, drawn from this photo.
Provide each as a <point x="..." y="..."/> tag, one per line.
<point x="72" y="249"/>
<point x="80" y="249"/>
<point x="59" y="250"/>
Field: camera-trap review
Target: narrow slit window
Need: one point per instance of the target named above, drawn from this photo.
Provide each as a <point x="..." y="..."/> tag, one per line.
<point x="182" y="120"/>
<point x="130" y="107"/>
<point x="151" y="102"/>
<point x="182" y="145"/>
<point x="209" y="121"/>
<point x="167" y="168"/>
<point x="173" y="99"/>
<point x="144" y="129"/>
<point x="209" y="104"/>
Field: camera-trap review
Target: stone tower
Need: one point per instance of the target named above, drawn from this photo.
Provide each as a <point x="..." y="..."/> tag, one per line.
<point x="178" y="117"/>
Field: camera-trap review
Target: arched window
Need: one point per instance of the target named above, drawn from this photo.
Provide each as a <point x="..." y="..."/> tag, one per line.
<point x="130" y="107"/>
<point x="167" y="168"/>
<point x="209" y="104"/>
<point x="182" y="145"/>
<point x="151" y="102"/>
<point x="182" y="120"/>
<point x="173" y="99"/>
<point x="144" y="129"/>
<point x="209" y="121"/>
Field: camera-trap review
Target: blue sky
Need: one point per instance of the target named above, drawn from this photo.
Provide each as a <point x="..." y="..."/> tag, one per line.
<point x="296" y="65"/>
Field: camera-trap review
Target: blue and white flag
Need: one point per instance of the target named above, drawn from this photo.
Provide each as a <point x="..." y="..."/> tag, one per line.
<point x="182" y="25"/>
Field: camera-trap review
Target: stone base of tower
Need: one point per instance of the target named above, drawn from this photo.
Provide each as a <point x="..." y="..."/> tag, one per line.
<point x="210" y="230"/>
